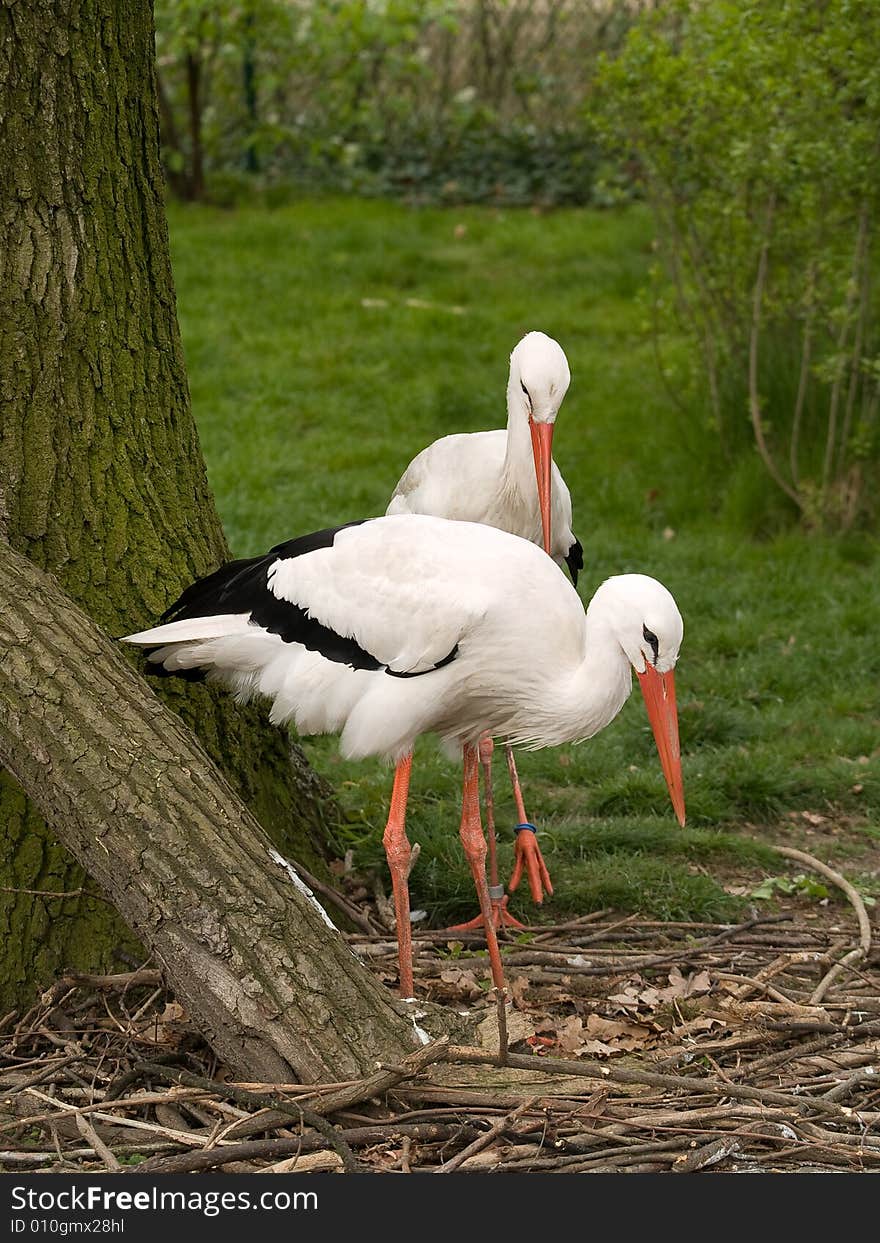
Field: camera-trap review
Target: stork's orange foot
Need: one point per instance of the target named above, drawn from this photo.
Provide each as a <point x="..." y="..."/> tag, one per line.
<point x="501" y="917"/>
<point x="528" y="859"/>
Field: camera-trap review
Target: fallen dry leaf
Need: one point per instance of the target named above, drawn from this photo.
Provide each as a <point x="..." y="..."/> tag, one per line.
<point x="519" y="1027"/>
<point x="462" y="981"/>
<point x="570" y="1034"/>
<point x="619" y="1032"/>
<point x="636" y="997"/>
<point x="518" y="988"/>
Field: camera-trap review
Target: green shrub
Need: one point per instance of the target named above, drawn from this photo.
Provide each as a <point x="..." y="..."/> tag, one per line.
<point x="755" y="128"/>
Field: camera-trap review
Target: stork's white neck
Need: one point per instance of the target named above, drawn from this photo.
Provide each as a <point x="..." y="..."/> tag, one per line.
<point x="518" y="472"/>
<point x="601" y="685"/>
<point x="580" y="701"/>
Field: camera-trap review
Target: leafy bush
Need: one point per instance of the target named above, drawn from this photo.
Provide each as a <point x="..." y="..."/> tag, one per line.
<point x="434" y="100"/>
<point x="755" y="128"/>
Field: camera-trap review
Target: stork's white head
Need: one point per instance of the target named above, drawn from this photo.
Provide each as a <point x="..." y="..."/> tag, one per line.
<point x="646" y="622"/>
<point x="539" y="379"/>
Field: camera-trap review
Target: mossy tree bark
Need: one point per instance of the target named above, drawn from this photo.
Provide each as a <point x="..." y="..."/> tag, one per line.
<point x="271" y="984"/>
<point x="101" y="476"/>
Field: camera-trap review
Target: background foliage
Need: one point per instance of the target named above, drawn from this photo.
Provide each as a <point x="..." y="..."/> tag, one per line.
<point x="756" y="128"/>
<point x="436" y="100"/>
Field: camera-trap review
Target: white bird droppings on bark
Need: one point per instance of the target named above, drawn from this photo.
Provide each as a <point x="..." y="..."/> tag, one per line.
<point x="302" y="886"/>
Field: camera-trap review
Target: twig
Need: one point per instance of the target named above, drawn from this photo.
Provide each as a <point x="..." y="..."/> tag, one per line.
<point x="101" y="1107"/>
<point x="803" y="379"/>
<point x="767" y="989"/>
<point x="842" y="883"/>
<point x="37" y="1158"/>
<point x="121" y="980"/>
<point x="726" y="935"/>
<point x="483" y="1141"/>
<point x="190" y="1162"/>
<point x="356" y="916"/>
<point x="754" y="397"/>
<point x="551" y="930"/>
<point x="618" y="1155"/>
<point x="849" y="960"/>
<point x="88" y="1132"/>
<point x="708" y="1154"/>
<point x="291" y="1110"/>
<point x="856" y="283"/>
<point x="141" y="1010"/>
<point x="501" y="1003"/>
<point x="41" y="1076"/>
<point x="616" y="1074"/>
<point x="183" y="1137"/>
<point x="801" y="1027"/>
<point x="855" y="899"/>
<point x="311" y="1163"/>
<point x="774" y="1060"/>
<point x="844" y="1088"/>
<point x="376" y="1084"/>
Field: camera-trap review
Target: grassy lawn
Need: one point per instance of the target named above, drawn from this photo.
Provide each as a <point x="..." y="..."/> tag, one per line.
<point x="328" y="342"/>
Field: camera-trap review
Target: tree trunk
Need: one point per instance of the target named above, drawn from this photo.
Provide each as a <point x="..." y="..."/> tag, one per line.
<point x="101" y="475"/>
<point x="259" y="966"/>
<point x="249" y="81"/>
<point x="173" y="156"/>
<point x="194" y="96"/>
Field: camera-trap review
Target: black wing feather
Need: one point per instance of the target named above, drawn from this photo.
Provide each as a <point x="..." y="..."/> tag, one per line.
<point x="237" y="584"/>
<point x="243" y="587"/>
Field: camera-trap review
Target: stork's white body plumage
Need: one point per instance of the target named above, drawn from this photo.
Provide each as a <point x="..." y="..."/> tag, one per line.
<point x="403" y="625"/>
<point x="486" y="477"/>
<point x="429" y="601"/>
<point x="489" y="477"/>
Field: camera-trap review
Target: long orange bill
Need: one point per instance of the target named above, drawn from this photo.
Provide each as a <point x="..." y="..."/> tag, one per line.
<point x="658" y="690"/>
<point x="542" y="439"/>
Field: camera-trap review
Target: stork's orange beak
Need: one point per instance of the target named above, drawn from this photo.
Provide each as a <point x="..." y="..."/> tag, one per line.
<point x="542" y="439"/>
<point x="658" y="690"/>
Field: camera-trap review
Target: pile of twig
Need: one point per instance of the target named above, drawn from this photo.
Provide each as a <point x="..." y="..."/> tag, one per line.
<point x="625" y="1045"/>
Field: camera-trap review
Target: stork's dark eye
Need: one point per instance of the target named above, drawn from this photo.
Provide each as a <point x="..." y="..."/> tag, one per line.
<point x="651" y="638"/>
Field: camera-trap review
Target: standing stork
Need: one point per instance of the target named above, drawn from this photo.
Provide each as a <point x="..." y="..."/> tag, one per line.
<point x="490" y="477"/>
<point x="399" y="626"/>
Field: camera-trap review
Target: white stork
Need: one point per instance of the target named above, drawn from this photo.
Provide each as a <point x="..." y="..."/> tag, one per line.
<point x="490" y="477"/>
<point x="399" y="626"/>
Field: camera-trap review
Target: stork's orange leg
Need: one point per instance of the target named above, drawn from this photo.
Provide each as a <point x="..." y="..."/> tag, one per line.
<point x="475" y="849"/>
<point x="501" y="917"/>
<point x="487" y="747"/>
<point x="397" y="850"/>
<point x="527" y="852"/>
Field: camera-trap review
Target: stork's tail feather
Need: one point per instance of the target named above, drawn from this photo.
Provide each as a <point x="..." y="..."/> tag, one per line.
<point x="191" y="630"/>
<point x="188" y="648"/>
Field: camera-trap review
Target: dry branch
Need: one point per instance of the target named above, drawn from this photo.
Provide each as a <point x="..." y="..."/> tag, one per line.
<point x="842" y="883"/>
<point x="484" y="1141"/>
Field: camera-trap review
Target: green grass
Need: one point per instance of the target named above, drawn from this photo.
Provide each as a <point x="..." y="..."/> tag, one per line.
<point x="310" y="404"/>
